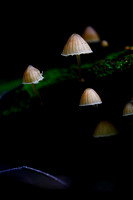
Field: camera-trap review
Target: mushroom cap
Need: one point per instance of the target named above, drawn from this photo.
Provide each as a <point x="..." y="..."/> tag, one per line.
<point x="128" y="109"/>
<point x="89" y="97"/>
<point x="76" y="45"/>
<point x="90" y="35"/>
<point x="105" y="129"/>
<point x="104" y="43"/>
<point x="32" y="75"/>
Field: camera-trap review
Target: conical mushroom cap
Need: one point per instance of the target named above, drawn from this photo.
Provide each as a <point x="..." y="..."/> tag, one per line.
<point x="104" y="129"/>
<point x="128" y="109"/>
<point x="90" y="35"/>
<point x="89" y="97"/>
<point x="76" y="45"/>
<point x="31" y="75"/>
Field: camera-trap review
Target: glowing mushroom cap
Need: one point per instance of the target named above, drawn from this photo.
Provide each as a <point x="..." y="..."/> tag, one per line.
<point x="31" y="75"/>
<point x="90" y="35"/>
<point x="89" y="97"/>
<point x="76" y="45"/>
<point x="128" y="109"/>
<point x="105" y="129"/>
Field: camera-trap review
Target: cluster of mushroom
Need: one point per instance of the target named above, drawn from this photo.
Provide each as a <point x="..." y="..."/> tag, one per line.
<point x="104" y="128"/>
<point x="77" y="45"/>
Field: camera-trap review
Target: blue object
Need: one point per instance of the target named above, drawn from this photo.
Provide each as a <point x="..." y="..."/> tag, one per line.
<point x="35" y="177"/>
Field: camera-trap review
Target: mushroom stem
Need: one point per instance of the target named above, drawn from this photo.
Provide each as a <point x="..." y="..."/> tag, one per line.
<point x="79" y="62"/>
<point x="36" y="93"/>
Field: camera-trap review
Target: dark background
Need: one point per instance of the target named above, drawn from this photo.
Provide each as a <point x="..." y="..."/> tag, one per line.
<point x="36" y="33"/>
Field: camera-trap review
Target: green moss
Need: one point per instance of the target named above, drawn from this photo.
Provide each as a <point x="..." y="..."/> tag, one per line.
<point x="114" y="55"/>
<point x="114" y="62"/>
<point x="12" y="109"/>
<point x="7" y="85"/>
<point x="18" y="105"/>
<point x="51" y="76"/>
<point x="121" y="60"/>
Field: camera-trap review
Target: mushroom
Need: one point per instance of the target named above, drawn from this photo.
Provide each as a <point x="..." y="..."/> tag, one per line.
<point x="104" y="129"/>
<point x="89" y="97"/>
<point x="76" y="45"/>
<point x="32" y="76"/>
<point x="128" y="109"/>
<point x="104" y="43"/>
<point x="90" y="35"/>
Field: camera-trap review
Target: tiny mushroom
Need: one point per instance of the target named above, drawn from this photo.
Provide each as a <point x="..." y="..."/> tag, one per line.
<point x="89" y="97"/>
<point x="76" y="45"/>
<point x="104" y="129"/>
<point x="128" y="109"/>
<point x="104" y="43"/>
<point x="32" y="76"/>
<point x="90" y="35"/>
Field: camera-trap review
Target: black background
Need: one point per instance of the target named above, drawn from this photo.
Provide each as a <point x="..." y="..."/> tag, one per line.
<point x="35" y="34"/>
